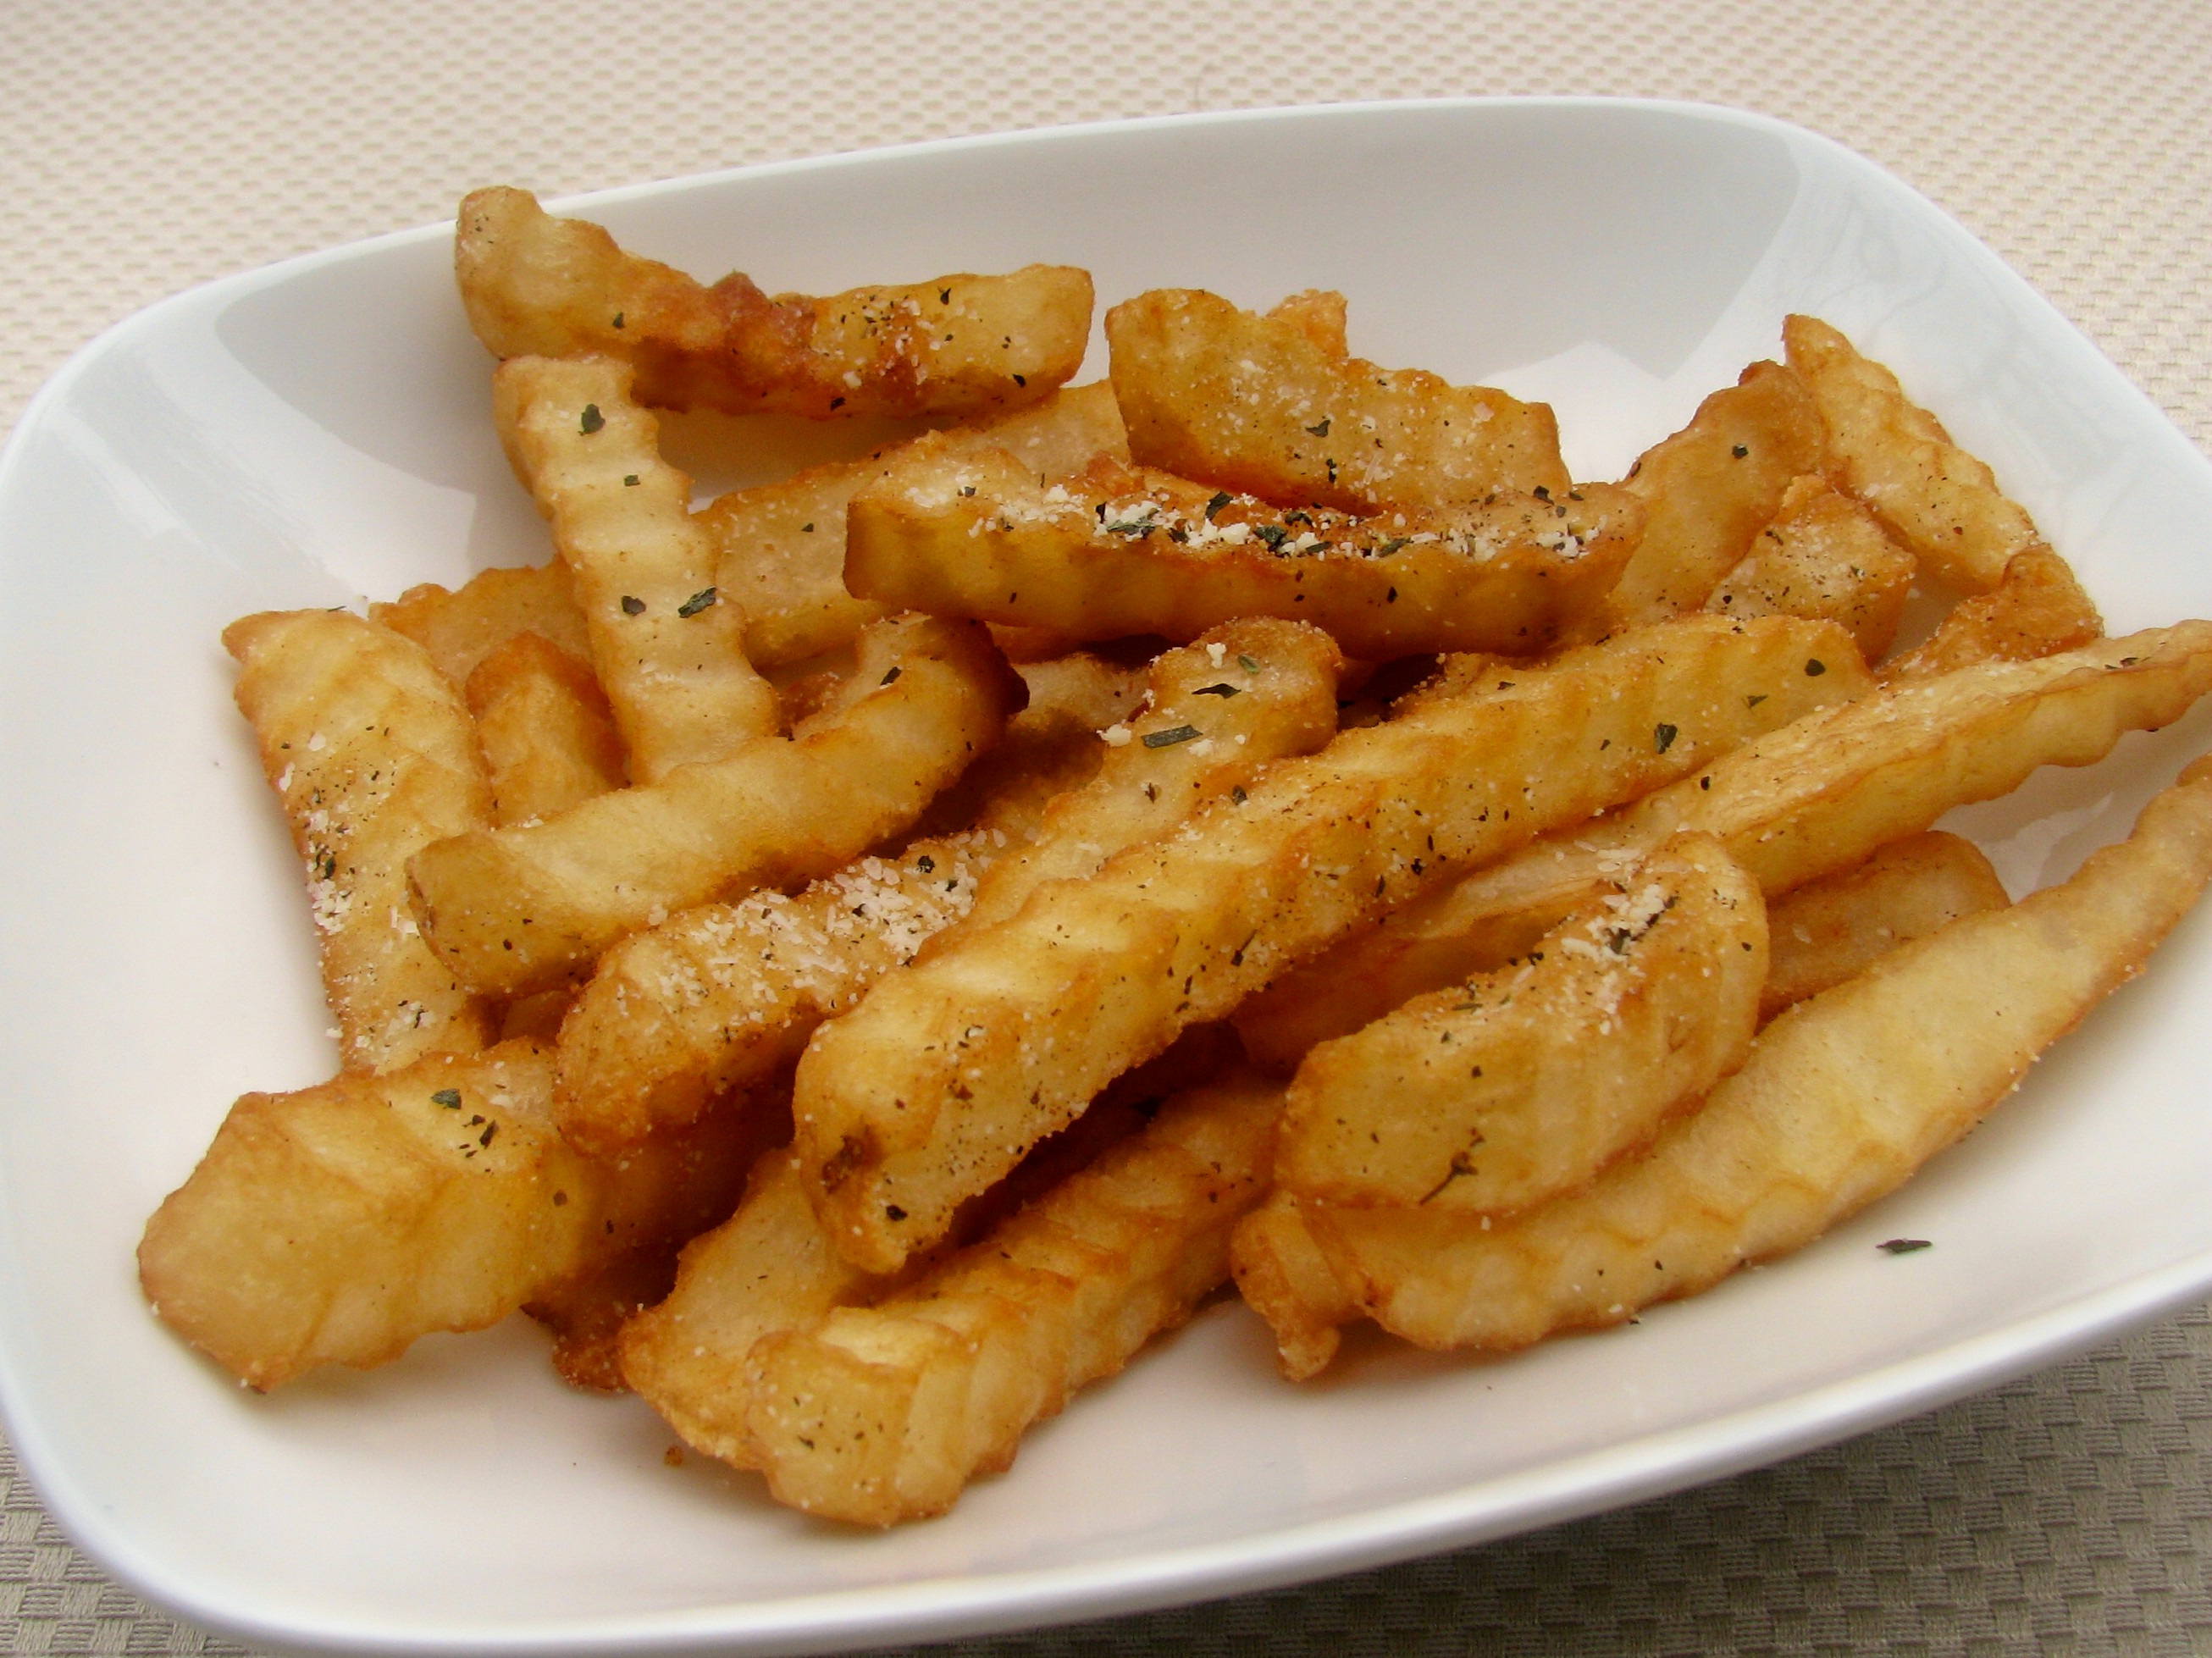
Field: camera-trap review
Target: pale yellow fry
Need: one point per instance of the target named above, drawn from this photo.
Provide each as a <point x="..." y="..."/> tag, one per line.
<point x="1246" y="693"/>
<point x="2037" y="609"/>
<point x="1825" y="555"/>
<point x="1117" y="552"/>
<point x="768" y="1268"/>
<point x="1519" y="1084"/>
<point x="1254" y="404"/>
<point x="1710" y="488"/>
<point x="337" y="1225"/>
<point x="549" y="736"/>
<point x="669" y="652"/>
<point x="1284" y="1277"/>
<point x="535" y="285"/>
<point x="462" y="626"/>
<point x="1831" y="929"/>
<point x="1934" y="497"/>
<point x="1842" y="1098"/>
<point x="780" y="549"/>
<point x="934" y="1084"/>
<point x="721" y="997"/>
<point x="522" y="909"/>
<point x="881" y="1414"/>
<point x="370" y="750"/>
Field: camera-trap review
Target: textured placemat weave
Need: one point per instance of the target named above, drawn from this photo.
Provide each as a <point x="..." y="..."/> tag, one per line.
<point x="149" y="146"/>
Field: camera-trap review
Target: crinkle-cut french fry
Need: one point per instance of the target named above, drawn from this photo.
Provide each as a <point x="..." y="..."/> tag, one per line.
<point x="2037" y="609"/>
<point x="930" y="1089"/>
<point x="587" y="1312"/>
<point x="549" y="736"/>
<point x="1934" y="497"/>
<point x="769" y="1268"/>
<point x="524" y="909"/>
<point x="1708" y="489"/>
<point x="533" y="284"/>
<point x="1826" y="554"/>
<point x="1844" y="1097"/>
<point x="1817" y="796"/>
<point x="462" y="626"/>
<point x="1284" y="1277"/>
<point x="1239" y="697"/>
<point x="1319" y="314"/>
<point x="1497" y="1094"/>
<point x="337" y="1225"/>
<point x="718" y="997"/>
<point x="780" y="549"/>
<point x="1050" y="747"/>
<point x="881" y="1414"/>
<point x="1115" y="552"/>
<point x="1832" y="929"/>
<point x="370" y="750"/>
<point x="1254" y="403"/>
<point x="669" y="652"/>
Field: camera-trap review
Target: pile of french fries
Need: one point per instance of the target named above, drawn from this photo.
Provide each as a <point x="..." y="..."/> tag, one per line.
<point x="859" y="959"/>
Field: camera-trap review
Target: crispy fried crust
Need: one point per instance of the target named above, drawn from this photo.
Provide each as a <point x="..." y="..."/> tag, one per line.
<point x="2037" y="609"/>
<point x="669" y="652"/>
<point x="522" y="909"/>
<point x="931" y="1088"/>
<point x="1832" y="929"/>
<point x="338" y="1224"/>
<point x="781" y="548"/>
<point x="1842" y="1099"/>
<point x="1814" y="797"/>
<point x="535" y="285"/>
<point x="549" y="736"/>
<point x="1284" y="1277"/>
<point x="881" y="1414"/>
<point x="1710" y="488"/>
<point x="373" y="754"/>
<point x="1825" y="555"/>
<point x="462" y="626"/>
<point x="1255" y="404"/>
<point x="1117" y="552"/>
<point x="1934" y="497"/>
<point x="720" y="997"/>
<point x="1497" y="1094"/>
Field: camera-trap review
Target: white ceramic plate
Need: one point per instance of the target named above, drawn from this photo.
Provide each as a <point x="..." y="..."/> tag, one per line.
<point x="318" y="431"/>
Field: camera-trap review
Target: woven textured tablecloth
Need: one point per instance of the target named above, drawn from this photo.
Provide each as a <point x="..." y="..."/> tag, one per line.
<point x="154" y="145"/>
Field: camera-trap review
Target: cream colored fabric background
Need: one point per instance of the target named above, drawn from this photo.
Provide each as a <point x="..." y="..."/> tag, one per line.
<point x="151" y="146"/>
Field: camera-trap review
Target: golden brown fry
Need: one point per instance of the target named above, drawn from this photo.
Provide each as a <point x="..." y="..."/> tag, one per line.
<point x="1842" y="1098"/>
<point x="520" y="909"/>
<point x="1710" y="488"/>
<point x="549" y="736"/>
<point x="669" y="653"/>
<point x="1825" y="556"/>
<point x="1499" y="1093"/>
<point x="1242" y="695"/>
<point x="885" y="1413"/>
<point x="2037" y="609"/>
<point x="721" y="997"/>
<point x="929" y="1089"/>
<point x="1934" y="497"/>
<point x="781" y="548"/>
<point x="1831" y="929"/>
<point x="1284" y="1277"/>
<point x="374" y="757"/>
<point x="1319" y="314"/>
<point x="535" y="285"/>
<point x="1117" y="552"/>
<point x="337" y="1225"/>
<point x="461" y="628"/>
<point x="1814" y="797"/>
<point x="1254" y="404"/>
